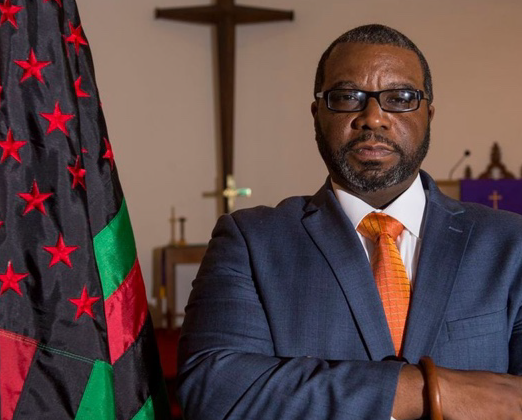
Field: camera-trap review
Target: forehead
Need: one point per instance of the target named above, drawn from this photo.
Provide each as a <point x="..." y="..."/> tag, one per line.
<point x="372" y="67"/>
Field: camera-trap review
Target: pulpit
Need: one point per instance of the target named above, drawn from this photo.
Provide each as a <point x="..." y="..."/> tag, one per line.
<point x="495" y="187"/>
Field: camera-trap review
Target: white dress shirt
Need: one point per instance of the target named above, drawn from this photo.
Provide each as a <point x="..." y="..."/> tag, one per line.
<point x="408" y="209"/>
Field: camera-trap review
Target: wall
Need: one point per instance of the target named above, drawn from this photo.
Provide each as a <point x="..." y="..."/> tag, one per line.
<point x="157" y="86"/>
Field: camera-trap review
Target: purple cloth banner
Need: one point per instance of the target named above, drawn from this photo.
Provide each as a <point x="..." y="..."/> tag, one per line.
<point x="504" y="194"/>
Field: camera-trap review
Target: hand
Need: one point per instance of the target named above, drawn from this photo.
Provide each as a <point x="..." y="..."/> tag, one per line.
<point x="465" y="395"/>
<point x="480" y="395"/>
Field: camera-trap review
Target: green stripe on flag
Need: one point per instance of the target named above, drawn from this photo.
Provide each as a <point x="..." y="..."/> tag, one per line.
<point x="115" y="251"/>
<point x="146" y="412"/>
<point x="98" y="399"/>
<point x="156" y="407"/>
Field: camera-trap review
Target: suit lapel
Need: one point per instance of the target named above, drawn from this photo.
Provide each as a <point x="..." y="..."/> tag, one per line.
<point x="444" y="242"/>
<point x="445" y="237"/>
<point x="336" y="238"/>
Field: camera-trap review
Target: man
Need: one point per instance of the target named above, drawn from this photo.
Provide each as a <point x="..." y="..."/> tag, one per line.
<point x="286" y="320"/>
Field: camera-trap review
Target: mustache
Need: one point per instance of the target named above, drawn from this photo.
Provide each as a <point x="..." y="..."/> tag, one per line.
<point x="352" y="144"/>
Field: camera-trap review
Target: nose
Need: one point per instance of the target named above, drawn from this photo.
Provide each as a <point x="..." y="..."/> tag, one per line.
<point x="372" y="117"/>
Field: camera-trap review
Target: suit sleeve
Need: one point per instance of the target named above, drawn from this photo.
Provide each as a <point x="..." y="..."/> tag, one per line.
<point x="515" y="306"/>
<point x="228" y="368"/>
<point x="515" y="345"/>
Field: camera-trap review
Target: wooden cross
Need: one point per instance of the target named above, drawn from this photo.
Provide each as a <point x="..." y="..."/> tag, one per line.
<point x="225" y="15"/>
<point x="495" y="197"/>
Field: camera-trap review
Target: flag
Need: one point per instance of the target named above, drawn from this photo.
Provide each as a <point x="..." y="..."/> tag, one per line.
<point x="503" y="194"/>
<point x="76" y="339"/>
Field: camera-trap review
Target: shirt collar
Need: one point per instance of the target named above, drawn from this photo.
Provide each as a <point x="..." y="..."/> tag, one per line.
<point x="408" y="208"/>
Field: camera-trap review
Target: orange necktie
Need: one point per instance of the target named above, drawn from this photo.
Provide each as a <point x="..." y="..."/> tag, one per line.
<point x="389" y="271"/>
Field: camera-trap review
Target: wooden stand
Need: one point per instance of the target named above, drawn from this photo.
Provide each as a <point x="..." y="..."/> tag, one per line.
<point x="165" y="261"/>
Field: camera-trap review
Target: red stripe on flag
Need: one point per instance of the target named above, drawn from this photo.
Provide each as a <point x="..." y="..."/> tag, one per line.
<point x="16" y="355"/>
<point x="126" y="312"/>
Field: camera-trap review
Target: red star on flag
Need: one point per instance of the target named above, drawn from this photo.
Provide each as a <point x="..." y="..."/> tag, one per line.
<point x="76" y="37"/>
<point x="78" y="173"/>
<point x="108" y="153"/>
<point x="57" y="1"/>
<point x="11" y="147"/>
<point x="84" y="304"/>
<point x="57" y="120"/>
<point x="10" y="280"/>
<point x="60" y="252"/>
<point x="32" y="67"/>
<point x="80" y="93"/>
<point x="8" y="13"/>
<point x="35" y="200"/>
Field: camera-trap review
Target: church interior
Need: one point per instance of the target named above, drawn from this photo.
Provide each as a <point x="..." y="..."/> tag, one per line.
<point x="159" y="84"/>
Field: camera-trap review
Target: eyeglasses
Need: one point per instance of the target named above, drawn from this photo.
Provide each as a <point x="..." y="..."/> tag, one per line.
<point x="390" y="100"/>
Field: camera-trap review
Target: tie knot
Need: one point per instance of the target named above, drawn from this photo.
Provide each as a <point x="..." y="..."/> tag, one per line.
<point x="377" y="224"/>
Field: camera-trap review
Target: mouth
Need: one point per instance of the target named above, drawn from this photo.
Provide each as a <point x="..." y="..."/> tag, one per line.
<point x="376" y="151"/>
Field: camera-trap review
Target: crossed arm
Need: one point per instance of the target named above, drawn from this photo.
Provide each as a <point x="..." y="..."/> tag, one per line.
<point x="229" y="368"/>
<point x="466" y="395"/>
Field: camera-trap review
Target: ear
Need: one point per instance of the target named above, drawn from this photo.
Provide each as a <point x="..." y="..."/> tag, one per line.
<point x="431" y="112"/>
<point x="314" y="108"/>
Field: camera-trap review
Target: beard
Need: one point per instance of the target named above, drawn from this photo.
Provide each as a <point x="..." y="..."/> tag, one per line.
<point x="370" y="178"/>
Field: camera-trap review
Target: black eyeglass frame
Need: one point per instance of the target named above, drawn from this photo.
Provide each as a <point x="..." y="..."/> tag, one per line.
<point x="325" y="94"/>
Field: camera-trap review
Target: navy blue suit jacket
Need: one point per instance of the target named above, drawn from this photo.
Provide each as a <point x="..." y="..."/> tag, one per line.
<point x="285" y="321"/>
